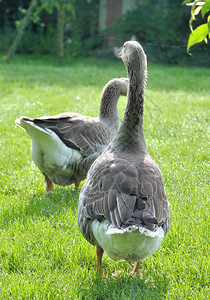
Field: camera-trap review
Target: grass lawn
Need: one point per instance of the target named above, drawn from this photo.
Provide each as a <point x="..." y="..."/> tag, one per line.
<point x="42" y="253"/>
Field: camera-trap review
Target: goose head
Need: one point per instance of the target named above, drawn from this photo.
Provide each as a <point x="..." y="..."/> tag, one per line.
<point x="115" y="87"/>
<point x="123" y="84"/>
<point x="133" y="56"/>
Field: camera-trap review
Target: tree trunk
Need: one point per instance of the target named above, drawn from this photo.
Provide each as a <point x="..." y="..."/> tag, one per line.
<point x="18" y="38"/>
<point x="60" y="32"/>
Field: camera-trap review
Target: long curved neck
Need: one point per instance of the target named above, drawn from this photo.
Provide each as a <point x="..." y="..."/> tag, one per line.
<point x="131" y="134"/>
<point x="108" y="107"/>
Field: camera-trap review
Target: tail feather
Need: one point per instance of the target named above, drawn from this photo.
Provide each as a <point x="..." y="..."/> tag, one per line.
<point x="30" y="127"/>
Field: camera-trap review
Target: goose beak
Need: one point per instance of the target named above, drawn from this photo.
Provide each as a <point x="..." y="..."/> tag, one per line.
<point x="120" y="54"/>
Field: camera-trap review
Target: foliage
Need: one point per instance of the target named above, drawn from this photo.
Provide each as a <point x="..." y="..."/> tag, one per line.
<point x="202" y="31"/>
<point x="49" y="7"/>
<point x="162" y="27"/>
<point x="81" y="28"/>
<point x="82" y="31"/>
<point x="152" y="22"/>
<point x="42" y="253"/>
<point x="22" y="29"/>
<point x="68" y="8"/>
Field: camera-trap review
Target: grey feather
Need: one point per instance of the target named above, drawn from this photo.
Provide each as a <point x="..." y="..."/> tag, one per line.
<point x="112" y="199"/>
<point x="86" y="135"/>
<point x="135" y="195"/>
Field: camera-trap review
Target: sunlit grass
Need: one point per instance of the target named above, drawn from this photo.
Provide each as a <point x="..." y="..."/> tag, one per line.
<point x="42" y="253"/>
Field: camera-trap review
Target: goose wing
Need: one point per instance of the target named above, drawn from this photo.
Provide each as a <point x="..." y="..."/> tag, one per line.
<point x="76" y="131"/>
<point x="125" y="193"/>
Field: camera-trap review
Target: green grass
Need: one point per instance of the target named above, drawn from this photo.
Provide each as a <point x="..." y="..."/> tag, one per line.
<point x="42" y="253"/>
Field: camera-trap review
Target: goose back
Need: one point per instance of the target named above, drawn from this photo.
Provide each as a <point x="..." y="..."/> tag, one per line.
<point x="124" y="190"/>
<point x="65" y="145"/>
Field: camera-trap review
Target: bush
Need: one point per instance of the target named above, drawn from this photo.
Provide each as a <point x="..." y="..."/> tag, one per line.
<point x="152" y="22"/>
<point x="81" y="34"/>
<point x="83" y="29"/>
<point x="162" y="28"/>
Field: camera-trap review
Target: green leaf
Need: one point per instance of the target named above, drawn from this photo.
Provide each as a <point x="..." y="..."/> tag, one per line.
<point x="206" y="8"/>
<point x="186" y="1"/>
<point x="194" y="11"/>
<point x="198" y="35"/>
<point x="197" y="10"/>
<point x="49" y="10"/>
<point x="194" y="4"/>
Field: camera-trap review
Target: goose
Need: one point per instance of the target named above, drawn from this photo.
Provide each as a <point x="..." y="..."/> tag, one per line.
<point x="123" y="208"/>
<point x="116" y="49"/>
<point x="64" y="146"/>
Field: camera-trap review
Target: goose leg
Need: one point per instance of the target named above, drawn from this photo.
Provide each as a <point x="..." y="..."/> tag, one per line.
<point x="49" y="186"/>
<point x="136" y="269"/>
<point x="99" y="253"/>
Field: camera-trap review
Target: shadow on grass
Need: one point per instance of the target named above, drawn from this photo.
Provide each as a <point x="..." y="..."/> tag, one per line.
<point x="149" y="284"/>
<point x="152" y="282"/>
<point x="41" y="205"/>
<point x="142" y="286"/>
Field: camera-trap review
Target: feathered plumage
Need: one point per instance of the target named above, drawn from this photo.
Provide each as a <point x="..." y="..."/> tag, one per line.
<point x="64" y="146"/>
<point x="123" y="208"/>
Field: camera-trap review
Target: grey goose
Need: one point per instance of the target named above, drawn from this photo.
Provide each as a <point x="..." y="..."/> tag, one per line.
<point x="64" y="146"/>
<point x="123" y="209"/>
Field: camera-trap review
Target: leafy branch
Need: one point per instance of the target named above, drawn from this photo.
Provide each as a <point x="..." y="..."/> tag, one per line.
<point x="202" y="32"/>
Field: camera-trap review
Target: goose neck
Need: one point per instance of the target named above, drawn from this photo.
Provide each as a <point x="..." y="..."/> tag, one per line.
<point x="130" y="134"/>
<point x="108" y="105"/>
